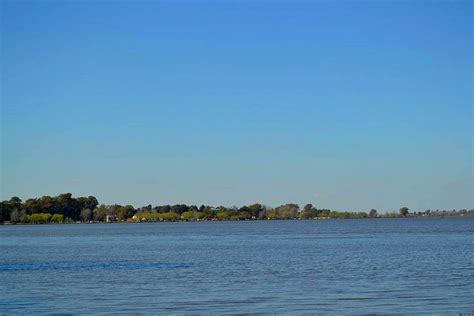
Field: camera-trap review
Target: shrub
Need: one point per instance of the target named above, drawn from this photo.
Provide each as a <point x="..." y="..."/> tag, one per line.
<point x="169" y="216"/>
<point x="39" y="218"/>
<point x="222" y="215"/>
<point x="199" y="215"/>
<point x="57" y="218"/>
<point x="188" y="215"/>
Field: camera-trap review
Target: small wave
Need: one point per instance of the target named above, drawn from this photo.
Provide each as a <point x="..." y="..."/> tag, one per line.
<point x="94" y="266"/>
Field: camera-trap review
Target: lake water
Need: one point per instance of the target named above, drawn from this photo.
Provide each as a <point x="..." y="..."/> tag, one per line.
<point x="392" y="266"/>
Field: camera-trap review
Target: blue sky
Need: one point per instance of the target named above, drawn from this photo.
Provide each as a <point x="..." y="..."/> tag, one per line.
<point x="346" y="105"/>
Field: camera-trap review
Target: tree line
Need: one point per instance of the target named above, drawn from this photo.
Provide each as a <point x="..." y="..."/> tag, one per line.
<point x="66" y="209"/>
<point x="60" y="208"/>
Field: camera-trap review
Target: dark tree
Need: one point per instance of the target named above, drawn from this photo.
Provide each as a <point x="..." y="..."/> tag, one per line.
<point x="7" y="207"/>
<point x="126" y="212"/>
<point x="373" y="213"/>
<point x="287" y="211"/>
<point x="255" y="209"/>
<point x="404" y="211"/>
<point x="179" y="208"/>
<point x="309" y="211"/>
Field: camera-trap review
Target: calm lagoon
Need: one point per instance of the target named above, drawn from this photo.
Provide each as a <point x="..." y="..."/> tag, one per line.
<point x="422" y="265"/>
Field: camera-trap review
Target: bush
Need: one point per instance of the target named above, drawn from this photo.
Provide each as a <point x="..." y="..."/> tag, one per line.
<point x="39" y="218"/>
<point x="169" y="216"/>
<point x="188" y="215"/>
<point x="150" y="217"/>
<point x="222" y="215"/>
<point x="68" y="220"/>
<point x="57" y="218"/>
<point x="199" y="215"/>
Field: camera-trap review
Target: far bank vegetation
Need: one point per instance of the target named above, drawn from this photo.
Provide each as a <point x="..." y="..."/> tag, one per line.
<point x="66" y="209"/>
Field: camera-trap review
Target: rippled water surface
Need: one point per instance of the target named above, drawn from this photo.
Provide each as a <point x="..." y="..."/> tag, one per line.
<point x="265" y="267"/>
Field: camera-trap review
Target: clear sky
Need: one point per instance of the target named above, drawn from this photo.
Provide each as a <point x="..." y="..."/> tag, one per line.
<point x="347" y="105"/>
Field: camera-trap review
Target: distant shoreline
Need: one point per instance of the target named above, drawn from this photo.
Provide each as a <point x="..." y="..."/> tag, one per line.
<point x="230" y="220"/>
<point x="66" y="209"/>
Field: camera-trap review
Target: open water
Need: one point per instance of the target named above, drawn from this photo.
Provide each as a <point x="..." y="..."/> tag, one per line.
<point x="381" y="266"/>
